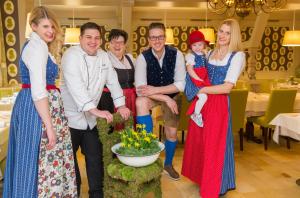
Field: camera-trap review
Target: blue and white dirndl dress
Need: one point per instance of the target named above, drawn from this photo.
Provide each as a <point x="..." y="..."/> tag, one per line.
<point x="32" y="170"/>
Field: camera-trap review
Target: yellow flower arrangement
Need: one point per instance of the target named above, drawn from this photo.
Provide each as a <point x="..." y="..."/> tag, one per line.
<point x="138" y="143"/>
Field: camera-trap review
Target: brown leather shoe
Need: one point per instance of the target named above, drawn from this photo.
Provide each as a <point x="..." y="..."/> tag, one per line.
<point x="173" y="174"/>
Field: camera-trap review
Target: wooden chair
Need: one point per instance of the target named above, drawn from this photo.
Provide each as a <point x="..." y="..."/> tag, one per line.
<point x="183" y="119"/>
<point x="238" y="101"/>
<point x="281" y="101"/>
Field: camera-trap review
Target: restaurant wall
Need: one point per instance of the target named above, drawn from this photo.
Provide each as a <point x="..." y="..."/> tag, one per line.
<point x="283" y="65"/>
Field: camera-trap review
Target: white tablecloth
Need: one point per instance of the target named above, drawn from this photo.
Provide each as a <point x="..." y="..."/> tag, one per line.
<point x="257" y="103"/>
<point x="4" y="133"/>
<point x="286" y="124"/>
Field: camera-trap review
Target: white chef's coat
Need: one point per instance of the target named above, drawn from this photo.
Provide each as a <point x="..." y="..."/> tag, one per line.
<point x="83" y="80"/>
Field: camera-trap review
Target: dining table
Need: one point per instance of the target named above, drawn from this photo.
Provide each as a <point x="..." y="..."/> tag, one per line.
<point x="288" y="125"/>
<point x="4" y="134"/>
<point x="257" y="104"/>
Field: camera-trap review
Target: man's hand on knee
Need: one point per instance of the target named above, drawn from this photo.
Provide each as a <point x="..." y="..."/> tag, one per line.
<point x="171" y="103"/>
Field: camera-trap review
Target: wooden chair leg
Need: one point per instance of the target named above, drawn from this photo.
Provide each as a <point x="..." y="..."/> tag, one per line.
<point x="270" y="133"/>
<point x="288" y="143"/>
<point x="265" y="135"/>
<point x="182" y="137"/>
<point x="160" y="131"/>
<point x="241" y="139"/>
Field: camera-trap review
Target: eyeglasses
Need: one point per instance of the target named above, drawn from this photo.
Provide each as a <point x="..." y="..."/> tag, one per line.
<point x="155" y="38"/>
<point x="117" y="42"/>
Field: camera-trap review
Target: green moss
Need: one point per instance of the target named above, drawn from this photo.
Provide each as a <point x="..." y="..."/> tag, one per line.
<point x="121" y="180"/>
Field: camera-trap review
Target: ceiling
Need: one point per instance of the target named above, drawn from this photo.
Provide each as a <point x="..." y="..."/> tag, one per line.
<point x="147" y="10"/>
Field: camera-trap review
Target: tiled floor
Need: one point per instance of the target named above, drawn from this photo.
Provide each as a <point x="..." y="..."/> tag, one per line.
<point x="259" y="173"/>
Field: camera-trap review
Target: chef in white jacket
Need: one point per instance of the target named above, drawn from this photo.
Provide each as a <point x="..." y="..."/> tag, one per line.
<point x="86" y="69"/>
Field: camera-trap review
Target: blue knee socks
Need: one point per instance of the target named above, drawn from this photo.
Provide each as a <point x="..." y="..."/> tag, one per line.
<point x="170" y="150"/>
<point x="147" y="120"/>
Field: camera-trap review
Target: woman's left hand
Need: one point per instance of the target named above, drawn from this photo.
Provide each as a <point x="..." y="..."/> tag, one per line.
<point x="124" y="112"/>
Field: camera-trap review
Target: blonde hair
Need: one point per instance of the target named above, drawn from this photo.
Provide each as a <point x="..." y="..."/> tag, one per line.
<point x="42" y="12"/>
<point x="235" y="43"/>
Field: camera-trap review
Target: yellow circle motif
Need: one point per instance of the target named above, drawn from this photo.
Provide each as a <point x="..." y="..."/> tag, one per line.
<point x="267" y="31"/>
<point x="10" y="39"/>
<point x="183" y="47"/>
<point x="63" y="49"/>
<point x="9" y="23"/>
<point x="134" y="36"/>
<point x="11" y="54"/>
<point x="273" y="65"/>
<point x="275" y="46"/>
<point x="259" y="47"/>
<point x="106" y="46"/>
<point x="244" y="36"/>
<point x="282" y="50"/>
<point x="267" y="51"/>
<point x="184" y="36"/>
<point x="143" y="41"/>
<point x="275" y="36"/>
<point x="134" y="54"/>
<point x="281" y="69"/>
<point x="282" y="60"/>
<point x="266" y="60"/>
<point x="274" y="56"/>
<point x="266" y="68"/>
<point x="282" y="31"/>
<point x="258" y="56"/>
<point x="281" y="40"/>
<point x="176" y="41"/>
<point x="184" y="28"/>
<point x="13" y="82"/>
<point x="12" y="70"/>
<point x="267" y="41"/>
<point x="106" y="36"/>
<point x="9" y="7"/>
<point x="142" y="31"/>
<point x="250" y="31"/>
<point x="275" y="28"/>
<point x="289" y="65"/>
<point x="134" y="46"/>
<point x="258" y="66"/>
<point x="176" y="31"/>
<point x="290" y="55"/>
<point x="192" y="29"/>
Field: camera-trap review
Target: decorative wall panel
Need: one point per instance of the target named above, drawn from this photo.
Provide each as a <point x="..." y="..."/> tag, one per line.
<point x="271" y="55"/>
<point x="10" y="21"/>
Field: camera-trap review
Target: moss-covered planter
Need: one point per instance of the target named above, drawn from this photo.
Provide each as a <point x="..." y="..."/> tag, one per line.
<point x="121" y="180"/>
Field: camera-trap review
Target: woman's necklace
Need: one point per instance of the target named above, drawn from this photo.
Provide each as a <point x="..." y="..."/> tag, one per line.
<point x="121" y="59"/>
<point x="220" y="54"/>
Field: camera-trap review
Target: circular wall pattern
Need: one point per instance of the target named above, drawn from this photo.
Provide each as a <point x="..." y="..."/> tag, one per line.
<point x="271" y="49"/>
<point x="9" y="7"/>
<point x="13" y="82"/>
<point x="12" y="70"/>
<point x="11" y="54"/>
<point x="10" y="39"/>
<point x="9" y="23"/>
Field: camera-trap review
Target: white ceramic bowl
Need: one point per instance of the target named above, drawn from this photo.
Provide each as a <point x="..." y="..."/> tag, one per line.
<point x="137" y="161"/>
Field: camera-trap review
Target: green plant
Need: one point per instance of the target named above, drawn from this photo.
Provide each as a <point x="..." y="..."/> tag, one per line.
<point x="138" y="143"/>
